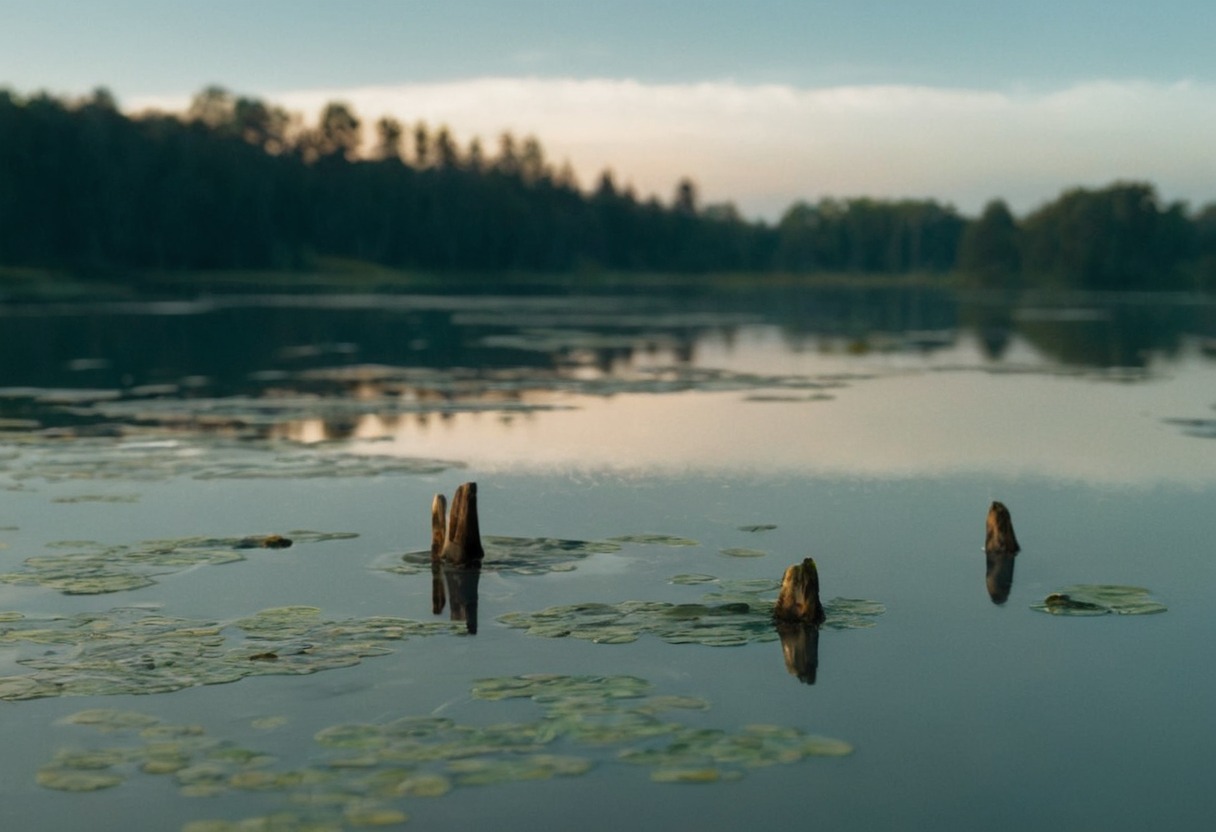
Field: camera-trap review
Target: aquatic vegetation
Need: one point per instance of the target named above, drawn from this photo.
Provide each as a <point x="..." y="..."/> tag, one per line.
<point x="1100" y="599"/>
<point x="518" y="555"/>
<point x="140" y="651"/>
<point x="740" y="613"/>
<point x="655" y="540"/>
<point x="364" y="773"/>
<point x="742" y="552"/>
<point x="539" y="555"/>
<point x="692" y="579"/>
<point x="156" y="458"/>
<point x="91" y="568"/>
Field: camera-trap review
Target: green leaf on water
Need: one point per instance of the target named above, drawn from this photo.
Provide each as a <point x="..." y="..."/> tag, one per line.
<point x="582" y="723"/>
<point x="1100" y="599"/>
<point x="736" y="616"/>
<point x="91" y="568"/>
<point x="655" y="540"/>
<point x="518" y="555"/>
<point x="742" y="552"/>
<point x="111" y="719"/>
<point x="140" y="651"/>
<point x="68" y="780"/>
<point x="692" y="579"/>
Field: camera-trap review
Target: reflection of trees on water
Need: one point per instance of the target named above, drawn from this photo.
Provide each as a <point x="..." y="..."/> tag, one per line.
<point x="1121" y="335"/>
<point x="443" y="354"/>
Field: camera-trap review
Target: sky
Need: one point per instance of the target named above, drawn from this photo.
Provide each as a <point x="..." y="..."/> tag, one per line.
<point x="761" y="103"/>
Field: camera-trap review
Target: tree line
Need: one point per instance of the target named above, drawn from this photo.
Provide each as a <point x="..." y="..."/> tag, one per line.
<point x="237" y="183"/>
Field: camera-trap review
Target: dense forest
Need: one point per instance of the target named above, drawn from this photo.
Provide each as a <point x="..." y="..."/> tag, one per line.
<point x="237" y="183"/>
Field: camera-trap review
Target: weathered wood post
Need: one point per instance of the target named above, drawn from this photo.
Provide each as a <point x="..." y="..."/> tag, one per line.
<point x="1000" y="548"/>
<point x="439" y="524"/>
<point x="462" y="547"/>
<point x="798" y="600"/>
<point x="456" y="555"/>
<point x="998" y="534"/>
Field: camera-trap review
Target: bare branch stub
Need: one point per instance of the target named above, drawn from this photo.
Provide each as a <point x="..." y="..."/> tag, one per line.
<point x="998" y="535"/>
<point x="798" y="600"/>
<point x="439" y="523"/>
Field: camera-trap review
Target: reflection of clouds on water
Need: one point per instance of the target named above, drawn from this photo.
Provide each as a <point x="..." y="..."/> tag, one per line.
<point x="899" y="423"/>
<point x="868" y="382"/>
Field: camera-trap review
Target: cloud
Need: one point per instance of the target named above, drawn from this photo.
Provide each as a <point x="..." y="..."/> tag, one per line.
<point x="765" y="146"/>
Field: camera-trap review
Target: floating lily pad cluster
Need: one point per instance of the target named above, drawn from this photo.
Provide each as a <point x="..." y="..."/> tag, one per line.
<point x="88" y="458"/>
<point x="540" y="555"/>
<point x="140" y="651"/>
<point x="366" y="773"/>
<point x="1100" y="599"/>
<point x="739" y="613"/>
<point x="519" y="555"/>
<point x="91" y="568"/>
<point x="655" y="540"/>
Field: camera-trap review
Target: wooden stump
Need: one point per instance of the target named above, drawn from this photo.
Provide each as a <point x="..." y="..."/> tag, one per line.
<point x="798" y="600"/>
<point x="456" y="555"/>
<point x="462" y="543"/>
<point x="999" y="536"/>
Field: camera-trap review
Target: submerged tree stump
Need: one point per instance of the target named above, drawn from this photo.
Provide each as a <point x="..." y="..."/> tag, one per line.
<point x="461" y="542"/>
<point x="798" y="600"/>
<point x="999" y="537"/>
<point x="1000" y="547"/>
<point x="456" y="555"/>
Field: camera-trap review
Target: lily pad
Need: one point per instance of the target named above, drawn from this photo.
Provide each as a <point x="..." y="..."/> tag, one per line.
<point x="90" y="568"/>
<point x="584" y="723"/>
<point x="655" y="540"/>
<point x="1100" y="599"/>
<point x="139" y="651"/>
<point x="692" y="579"/>
<point x="519" y="555"/>
<point x="67" y="780"/>
<point x="743" y="552"/>
<point x="739" y="614"/>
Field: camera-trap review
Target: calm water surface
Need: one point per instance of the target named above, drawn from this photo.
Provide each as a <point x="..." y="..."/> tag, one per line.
<point x="868" y="429"/>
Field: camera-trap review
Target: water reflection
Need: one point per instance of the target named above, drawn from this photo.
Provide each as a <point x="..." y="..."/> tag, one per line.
<point x="800" y="646"/>
<point x="999" y="576"/>
<point x="461" y="585"/>
<point x="592" y="381"/>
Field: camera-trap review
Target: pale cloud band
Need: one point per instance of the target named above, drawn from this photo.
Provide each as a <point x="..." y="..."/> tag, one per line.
<point x="765" y="146"/>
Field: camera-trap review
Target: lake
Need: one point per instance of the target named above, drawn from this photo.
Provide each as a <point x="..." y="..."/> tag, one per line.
<point x="648" y="464"/>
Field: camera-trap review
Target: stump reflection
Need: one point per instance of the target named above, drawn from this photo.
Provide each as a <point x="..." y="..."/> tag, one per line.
<point x="800" y="645"/>
<point x="456" y="555"/>
<point x="1000" y="548"/>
